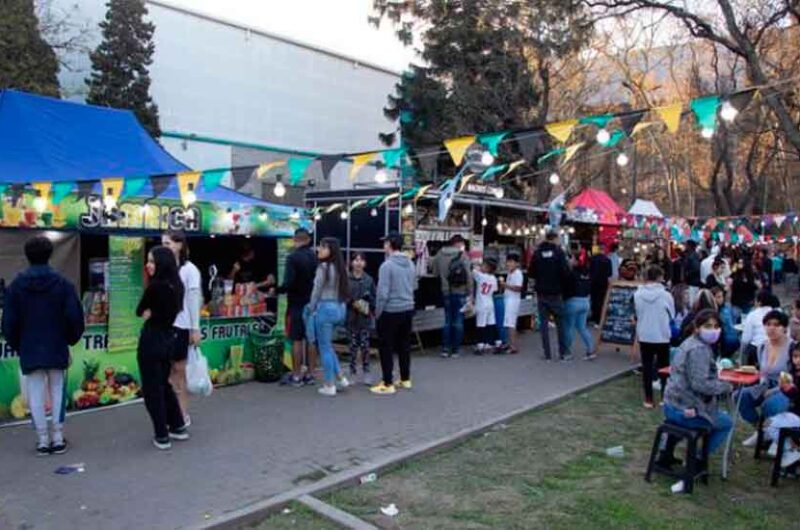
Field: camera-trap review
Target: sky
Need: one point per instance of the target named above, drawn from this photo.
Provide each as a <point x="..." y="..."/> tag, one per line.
<point x="337" y="25"/>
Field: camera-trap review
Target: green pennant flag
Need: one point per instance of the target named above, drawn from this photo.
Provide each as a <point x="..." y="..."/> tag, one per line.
<point x="705" y="111"/>
<point x="132" y="187"/>
<point x="494" y="170"/>
<point x="616" y="136"/>
<point x="410" y="193"/>
<point x="392" y="157"/>
<point x="61" y="190"/>
<point x="212" y="178"/>
<point x="550" y="154"/>
<point x="375" y="201"/>
<point x="297" y="169"/>
<point x="492" y="140"/>
<point x="601" y="120"/>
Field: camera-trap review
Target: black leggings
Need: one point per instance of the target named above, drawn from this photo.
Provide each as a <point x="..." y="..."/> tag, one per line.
<point x="394" y="330"/>
<point x="156" y="347"/>
<point x="660" y="354"/>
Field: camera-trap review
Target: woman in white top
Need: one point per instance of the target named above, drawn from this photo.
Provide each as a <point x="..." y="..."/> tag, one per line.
<point x="753" y="333"/>
<point x="187" y="323"/>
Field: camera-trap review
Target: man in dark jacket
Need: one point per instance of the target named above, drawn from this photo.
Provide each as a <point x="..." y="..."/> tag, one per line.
<point x="691" y="270"/>
<point x="42" y="318"/>
<point x="301" y="266"/>
<point x="550" y="272"/>
<point x="600" y="272"/>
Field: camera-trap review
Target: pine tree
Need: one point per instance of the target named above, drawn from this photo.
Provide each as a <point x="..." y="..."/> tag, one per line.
<point x="27" y="62"/>
<point x="120" y="76"/>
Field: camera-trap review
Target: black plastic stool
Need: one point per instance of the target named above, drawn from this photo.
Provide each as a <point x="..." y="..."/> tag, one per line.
<point x="786" y="434"/>
<point x="694" y="468"/>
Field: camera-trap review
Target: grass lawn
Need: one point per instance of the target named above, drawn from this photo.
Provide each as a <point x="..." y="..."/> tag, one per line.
<point x="548" y="469"/>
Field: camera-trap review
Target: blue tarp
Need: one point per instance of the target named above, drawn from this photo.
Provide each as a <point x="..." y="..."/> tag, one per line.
<point x="46" y="139"/>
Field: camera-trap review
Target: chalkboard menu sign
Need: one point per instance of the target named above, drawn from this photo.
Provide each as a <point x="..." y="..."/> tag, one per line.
<point x="617" y="324"/>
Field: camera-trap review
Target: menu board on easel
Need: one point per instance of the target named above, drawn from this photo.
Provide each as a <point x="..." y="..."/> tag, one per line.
<point x="617" y="325"/>
<point x="125" y="282"/>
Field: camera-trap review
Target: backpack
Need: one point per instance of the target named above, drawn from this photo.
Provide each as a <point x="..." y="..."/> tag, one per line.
<point x="456" y="273"/>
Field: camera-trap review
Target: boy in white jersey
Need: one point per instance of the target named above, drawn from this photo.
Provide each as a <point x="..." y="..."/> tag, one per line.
<point x="486" y="286"/>
<point x="511" y="299"/>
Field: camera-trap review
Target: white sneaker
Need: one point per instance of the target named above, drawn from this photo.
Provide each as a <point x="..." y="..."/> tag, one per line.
<point x="751" y="441"/>
<point x="790" y="457"/>
<point x="772" y="452"/>
<point x="678" y="487"/>
<point x="329" y="391"/>
<point x="187" y="421"/>
<point x="342" y="383"/>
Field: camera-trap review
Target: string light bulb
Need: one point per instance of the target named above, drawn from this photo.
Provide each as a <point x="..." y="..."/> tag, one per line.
<point x="487" y="158"/>
<point x="484" y="222"/>
<point x="728" y="112"/>
<point x="603" y="136"/>
<point x="381" y="176"/>
<point x="707" y="132"/>
<point x="373" y="212"/>
<point x="280" y="189"/>
<point x="622" y="160"/>
<point x="343" y="215"/>
<point x="499" y="193"/>
<point x="499" y="227"/>
<point x="317" y="216"/>
<point x="554" y="178"/>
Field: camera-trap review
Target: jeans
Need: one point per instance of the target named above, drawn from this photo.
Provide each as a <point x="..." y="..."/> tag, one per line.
<point x="720" y="427"/>
<point x="394" y="331"/>
<point x="771" y="406"/>
<point x="453" y="330"/>
<point x="499" y="315"/>
<point x="329" y="314"/>
<point x="552" y="305"/>
<point x="576" y="313"/>
<point x="154" y="357"/>
<point x="659" y="353"/>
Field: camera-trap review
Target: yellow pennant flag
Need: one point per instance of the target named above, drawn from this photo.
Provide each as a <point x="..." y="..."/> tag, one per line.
<point x="457" y="147"/>
<point x="43" y="189"/>
<point x="671" y="115"/>
<point x="360" y="161"/>
<point x="639" y="127"/>
<point x="571" y="150"/>
<point x="512" y="166"/>
<point x="422" y="191"/>
<point x="264" y="168"/>
<point x="187" y="182"/>
<point x="561" y="130"/>
<point x="333" y="207"/>
<point x="389" y="198"/>
<point x="112" y="188"/>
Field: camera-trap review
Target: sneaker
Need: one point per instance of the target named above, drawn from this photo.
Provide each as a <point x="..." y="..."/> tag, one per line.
<point x="59" y="448"/>
<point x="404" y="384"/>
<point x="309" y="380"/>
<point x="678" y="487"/>
<point x="382" y="388"/>
<point x="342" y="383"/>
<point x="187" y="421"/>
<point x="162" y="444"/>
<point x="43" y="450"/>
<point x="444" y="355"/>
<point x="325" y="390"/>
<point x="751" y="441"/>
<point x="179" y="434"/>
<point x="590" y="357"/>
<point x="295" y="381"/>
<point x="790" y="457"/>
<point x="772" y="452"/>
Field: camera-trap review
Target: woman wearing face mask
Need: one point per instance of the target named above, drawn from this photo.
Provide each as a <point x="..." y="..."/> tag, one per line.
<point x="693" y="388"/>
<point x="773" y="358"/>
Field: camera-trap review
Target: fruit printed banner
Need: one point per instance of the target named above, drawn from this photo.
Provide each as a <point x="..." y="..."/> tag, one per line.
<point x="126" y="285"/>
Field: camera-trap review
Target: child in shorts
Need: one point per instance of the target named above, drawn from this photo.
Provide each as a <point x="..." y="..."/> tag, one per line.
<point x="486" y="286"/>
<point x="512" y="299"/>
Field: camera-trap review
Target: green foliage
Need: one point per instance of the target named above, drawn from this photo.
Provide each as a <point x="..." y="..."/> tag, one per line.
<point x="27" y="61"/>
<point x="120" y="76"/>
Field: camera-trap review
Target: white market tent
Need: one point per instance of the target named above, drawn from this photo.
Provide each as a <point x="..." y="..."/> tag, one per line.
<point x="645" y="208"/>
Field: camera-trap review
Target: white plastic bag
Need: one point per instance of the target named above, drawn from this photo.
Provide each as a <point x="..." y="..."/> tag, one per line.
<point x="197" y="379"/>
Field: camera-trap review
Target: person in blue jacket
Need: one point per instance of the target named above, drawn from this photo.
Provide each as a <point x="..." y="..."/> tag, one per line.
<point x="42" y="318"/>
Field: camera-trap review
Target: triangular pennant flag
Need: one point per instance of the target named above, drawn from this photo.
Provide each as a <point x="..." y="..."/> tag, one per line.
<point x="741" y="100"/>
<point x="446" y="198"/>
<point x="391" y="157"/>
<point x="671" y="115"/>
<point x="262" y="169"/>
<point x="600" y="121"/>
<point x="705" y="111"/>
<point x="530" y="144"/>
<point x="629" y="121"/>
<point x="457" y="147"/>
<point x="492" y="140"/>
<point x="159" y="185"/>
<point x="85" y="188"/>
<point x="389" y="197"/>
<point x="616" y="136"/>
<point x="333" y="207"/>
<point x="43" y="189"/>
<point x="561" y="130"/>
<point x="241" y="176"/>
<point x="133" y="185"/>
<point x="357" y="204"/>
<point x="464" y="181"/>
<point x="494" y="170"/>
<point x="187" y="182"/>
<point x="550" y="154"/>
<point x="112" y="187"/>
<point x="571" y="150"/>
<point x="213" y="178"/>
<point x="512" y="166"/>
<point x="421" y="191"/>
<point x="61" y="190"/>
<point x="327" y="163"/>
<point x="639" y="127"/>
<point x="360" y="161"/>
<point x="428" y="160"/>
<point x="297" y="169"/>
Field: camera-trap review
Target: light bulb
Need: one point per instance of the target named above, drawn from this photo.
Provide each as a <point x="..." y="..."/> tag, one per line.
<point x="487" y="158"/>
<point x="343" y="215"/>
<point x="603" y="136"/>
<point x="499" y="227"/>
<point x="622" y="160"/>
<point x="571" y="230"/>
<point x="317" y="216"/>
<point x="373" y="212"/>
<point x="40" y="204"/>
<point x="518" y="232"/>
<point x="707" y="132"/>
<point x="191" y="197"/>
<point x="499" y="193"/>
<point x="484" y="222"/>
<point x="728" y="112"/>
<point x="527" y="231"/>
<point x="280" y="189"/>
<point x="554" y="179"/>
<point x="408" y="209"/>
<point x="381" y="176"/>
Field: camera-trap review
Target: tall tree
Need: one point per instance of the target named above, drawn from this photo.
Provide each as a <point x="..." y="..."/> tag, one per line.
<point x="27" y="62"/>
<point x="120" y="76"/>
